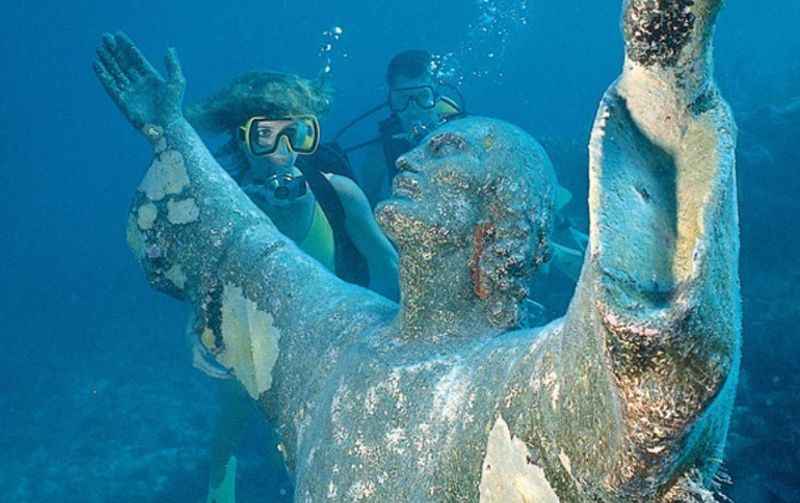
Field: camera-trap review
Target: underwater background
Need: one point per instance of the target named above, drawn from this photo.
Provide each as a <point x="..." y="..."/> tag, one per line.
<point x="99" y="401"/>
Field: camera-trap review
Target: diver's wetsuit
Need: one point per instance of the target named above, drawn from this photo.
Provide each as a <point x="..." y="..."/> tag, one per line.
<point x="349" y="264"/>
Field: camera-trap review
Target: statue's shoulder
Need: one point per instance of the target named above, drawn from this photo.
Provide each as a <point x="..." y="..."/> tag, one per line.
<point x="531" y="337"/>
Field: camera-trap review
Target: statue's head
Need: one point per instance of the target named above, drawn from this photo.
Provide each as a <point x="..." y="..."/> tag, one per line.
<point x="481" y="188"/>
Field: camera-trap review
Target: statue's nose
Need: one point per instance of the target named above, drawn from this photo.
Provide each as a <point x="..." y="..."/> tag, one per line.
<point x="403" y="164"/>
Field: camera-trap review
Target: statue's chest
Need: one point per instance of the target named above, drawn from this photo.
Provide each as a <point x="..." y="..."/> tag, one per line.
<point x="392" y="433"/>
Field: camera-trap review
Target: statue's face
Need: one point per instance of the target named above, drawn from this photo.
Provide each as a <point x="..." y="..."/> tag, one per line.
<point x="436" y="193"/>
<point x="477" y="185"/>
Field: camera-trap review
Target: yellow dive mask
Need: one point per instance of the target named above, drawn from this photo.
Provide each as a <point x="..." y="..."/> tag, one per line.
<point x="261" y="135"/>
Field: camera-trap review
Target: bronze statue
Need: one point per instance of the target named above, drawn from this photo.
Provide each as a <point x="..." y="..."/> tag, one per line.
<point x="442" y="398"/>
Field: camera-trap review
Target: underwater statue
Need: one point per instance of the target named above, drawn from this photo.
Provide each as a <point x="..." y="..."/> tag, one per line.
<point x="442" y="398"/>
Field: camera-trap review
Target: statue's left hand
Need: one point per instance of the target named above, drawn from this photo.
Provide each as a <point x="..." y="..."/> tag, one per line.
<point x="141" y="93"/>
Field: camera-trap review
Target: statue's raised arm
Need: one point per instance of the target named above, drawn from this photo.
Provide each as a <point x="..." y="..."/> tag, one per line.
<point x="640" y="375"/>
<point x="200" y="238"/>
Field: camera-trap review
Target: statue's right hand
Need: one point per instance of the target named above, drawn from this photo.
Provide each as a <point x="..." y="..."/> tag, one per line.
<point x="141" y="93"/>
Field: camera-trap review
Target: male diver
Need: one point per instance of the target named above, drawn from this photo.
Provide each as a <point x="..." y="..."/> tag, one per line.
<point x="273" y="133"/>
<point x="419" y="103"/>
<point x="443" y="398"/>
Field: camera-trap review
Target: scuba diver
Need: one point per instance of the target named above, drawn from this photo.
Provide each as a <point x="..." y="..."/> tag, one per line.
<point x="274" y="153"/>
<point x="419" y="104"/>
<point x="271" y="121"/>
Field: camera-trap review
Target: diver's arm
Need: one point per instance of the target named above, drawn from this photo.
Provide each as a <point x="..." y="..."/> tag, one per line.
<point x="372" y="174"/>
<point x="641" y="372"/>
<point x="371" y="242"/>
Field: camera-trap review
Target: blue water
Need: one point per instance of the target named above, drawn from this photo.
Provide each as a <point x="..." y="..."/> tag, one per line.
<point x="99" y="401"/>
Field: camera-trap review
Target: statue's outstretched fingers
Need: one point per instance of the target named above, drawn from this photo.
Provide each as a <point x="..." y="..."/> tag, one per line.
<point x="111" y="66"/>
<point x="173" y="65"/>
<point x="109" y="44"/>
<point x="126" y="60"/>
<point x="107" y="81"/>
<point x="111" y="49"/>
<point x="131" y="59"/>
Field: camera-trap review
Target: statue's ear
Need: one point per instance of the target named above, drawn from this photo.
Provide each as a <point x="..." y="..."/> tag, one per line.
<point x="483" y="238"/>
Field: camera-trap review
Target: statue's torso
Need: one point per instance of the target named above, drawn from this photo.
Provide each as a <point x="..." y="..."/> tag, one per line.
<point x="407" y="424"/>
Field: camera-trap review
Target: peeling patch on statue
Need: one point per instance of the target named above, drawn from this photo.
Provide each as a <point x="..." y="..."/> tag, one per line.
<point x="509" y="474"/>
<point x="155" y="134"/>
<point x="182" y="212"/>
<point x="146" y="216"/>
<point x="250" y="341"/>
<point x="176" y="275"/>
<point x="167" y="175"/>
<point x="136" y="240"/>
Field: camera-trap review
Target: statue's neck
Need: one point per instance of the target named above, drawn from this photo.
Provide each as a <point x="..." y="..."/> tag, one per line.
<point x="437" y="297"/>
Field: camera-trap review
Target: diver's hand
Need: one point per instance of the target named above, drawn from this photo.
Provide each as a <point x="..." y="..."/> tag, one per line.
<point x="142" y="95"/>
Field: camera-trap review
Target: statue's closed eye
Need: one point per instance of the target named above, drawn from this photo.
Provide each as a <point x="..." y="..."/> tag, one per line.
<point x="439" y="144"/>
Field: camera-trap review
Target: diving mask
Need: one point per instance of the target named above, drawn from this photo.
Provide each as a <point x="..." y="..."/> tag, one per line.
<point x="261" y="135"/>
<point x="400" y="98"/>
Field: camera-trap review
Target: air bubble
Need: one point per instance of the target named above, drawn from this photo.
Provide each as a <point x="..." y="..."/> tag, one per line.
<point x="329" y="50"/>
<point x="482" y="51"/>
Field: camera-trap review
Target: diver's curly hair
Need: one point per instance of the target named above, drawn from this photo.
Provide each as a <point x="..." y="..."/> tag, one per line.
<point x="271" y="94"/>
<point x="511" y="241"/>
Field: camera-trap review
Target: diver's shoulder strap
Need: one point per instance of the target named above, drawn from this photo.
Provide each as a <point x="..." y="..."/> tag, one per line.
<point x="389" y="125"/>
